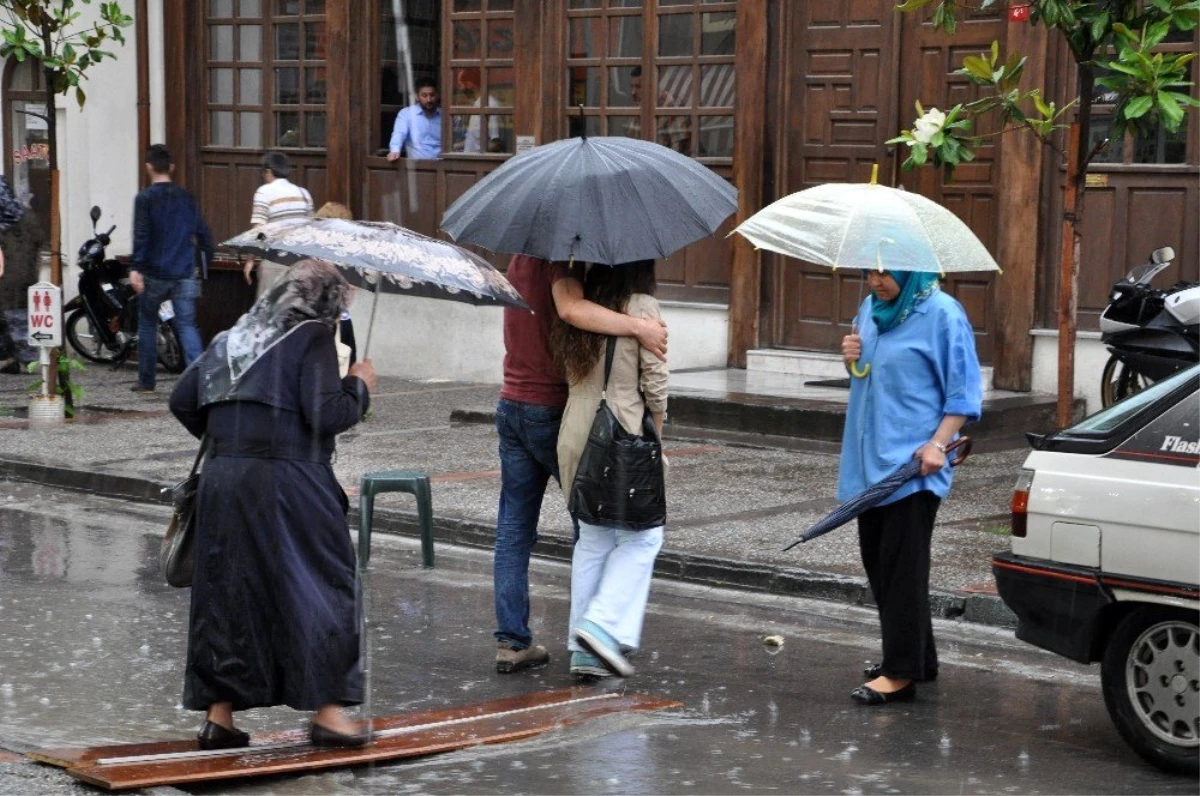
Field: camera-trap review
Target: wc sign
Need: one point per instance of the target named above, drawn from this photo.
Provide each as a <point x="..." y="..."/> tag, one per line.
<point x="45" y="315"/>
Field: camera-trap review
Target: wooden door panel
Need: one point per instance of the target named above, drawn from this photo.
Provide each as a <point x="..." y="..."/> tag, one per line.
<point x="840" y="110"/>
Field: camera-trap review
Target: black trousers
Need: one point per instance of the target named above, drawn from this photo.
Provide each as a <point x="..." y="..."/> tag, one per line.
<point x="894" y="541"/>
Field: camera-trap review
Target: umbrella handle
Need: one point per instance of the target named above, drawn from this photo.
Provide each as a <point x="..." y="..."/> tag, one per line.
<point x="963" y="446"/>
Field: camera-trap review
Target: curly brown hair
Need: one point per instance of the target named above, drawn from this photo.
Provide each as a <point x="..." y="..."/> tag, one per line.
<point x="576" y="350"/>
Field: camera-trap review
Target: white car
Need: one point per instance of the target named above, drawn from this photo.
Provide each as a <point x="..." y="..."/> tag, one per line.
<point x="1105" y="561"/>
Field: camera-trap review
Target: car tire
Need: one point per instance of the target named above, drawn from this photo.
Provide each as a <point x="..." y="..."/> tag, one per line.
<point x="1150" y="675"/>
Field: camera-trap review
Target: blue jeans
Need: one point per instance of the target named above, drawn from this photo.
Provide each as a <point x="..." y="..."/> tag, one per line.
<point x="528" y="457"/>
<point x="183" y="294"/>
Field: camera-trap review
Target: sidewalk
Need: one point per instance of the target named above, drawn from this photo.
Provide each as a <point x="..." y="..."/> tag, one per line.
<point x="733" y="503"/>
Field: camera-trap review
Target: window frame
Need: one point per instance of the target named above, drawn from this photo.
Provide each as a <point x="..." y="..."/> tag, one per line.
<point x="485" y="13"/>
<point x="269" y="19"/>
<point x="652" y="64"/>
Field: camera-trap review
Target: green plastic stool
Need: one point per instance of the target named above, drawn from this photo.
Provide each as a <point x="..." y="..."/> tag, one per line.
<point x="411" y="481"/>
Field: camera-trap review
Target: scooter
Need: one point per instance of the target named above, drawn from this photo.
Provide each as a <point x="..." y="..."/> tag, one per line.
<point x="103" y="318"/>
<point x="1149" y="333"/>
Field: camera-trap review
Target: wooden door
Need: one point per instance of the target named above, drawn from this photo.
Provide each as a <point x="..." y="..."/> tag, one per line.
<point x="840" y="98"/>
<point x="928" y="60"/>
<point x="856" y="71"/>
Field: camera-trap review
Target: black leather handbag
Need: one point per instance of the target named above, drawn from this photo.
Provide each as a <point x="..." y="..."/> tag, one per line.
<point x="619" y="483"/>
<point x="176" y="557"/>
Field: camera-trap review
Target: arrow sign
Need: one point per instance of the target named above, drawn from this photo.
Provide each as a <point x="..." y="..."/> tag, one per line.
<point x="41" y="338"/>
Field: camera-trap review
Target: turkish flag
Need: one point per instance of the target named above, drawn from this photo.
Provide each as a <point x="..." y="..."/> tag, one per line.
<point x="1018" y="13"/>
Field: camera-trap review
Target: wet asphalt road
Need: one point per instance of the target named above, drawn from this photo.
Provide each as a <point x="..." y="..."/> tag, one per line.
<point x="92" y="646"/>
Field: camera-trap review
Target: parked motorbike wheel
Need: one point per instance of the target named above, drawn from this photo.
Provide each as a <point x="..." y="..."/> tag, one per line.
<point x="1149" y="675"/>
<point x="1119" y="380"/>
<point x="87" y="342"/>
<point x="170" y="352"/>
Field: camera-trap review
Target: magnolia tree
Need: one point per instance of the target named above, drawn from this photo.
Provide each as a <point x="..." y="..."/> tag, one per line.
<point x="1113" y="44"/>
<point x="54" y="34"/>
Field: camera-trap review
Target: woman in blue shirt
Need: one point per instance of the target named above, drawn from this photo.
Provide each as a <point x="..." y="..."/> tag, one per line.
<point x="916" y="383"/>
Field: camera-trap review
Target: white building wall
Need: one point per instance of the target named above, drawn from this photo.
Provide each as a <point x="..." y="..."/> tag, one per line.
<point x="419" y="338"/>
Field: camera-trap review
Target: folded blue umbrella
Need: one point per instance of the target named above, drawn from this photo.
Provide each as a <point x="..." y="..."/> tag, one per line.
<point x="875" y="494"/>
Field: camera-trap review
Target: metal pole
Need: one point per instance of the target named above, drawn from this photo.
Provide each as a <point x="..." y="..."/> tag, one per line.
<point x="371" y="322"/>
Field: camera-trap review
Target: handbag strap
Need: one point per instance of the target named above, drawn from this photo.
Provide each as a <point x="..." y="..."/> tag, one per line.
<point x="199" y="455"/>
<point x="609" y="351"/>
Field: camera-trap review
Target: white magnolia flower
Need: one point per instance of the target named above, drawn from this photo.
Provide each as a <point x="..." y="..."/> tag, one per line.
<point x="928" y="126"/>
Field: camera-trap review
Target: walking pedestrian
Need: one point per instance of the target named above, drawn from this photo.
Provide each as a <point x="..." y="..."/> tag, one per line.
<point x="273" y="615"/>
<point x="528" y="414"/>
<point x="611" y="567"/>
<point x="167" y="229"/>
<point x="917" y="347"/>
<point x="21" y="241"/>
<point x="276" y="199"/>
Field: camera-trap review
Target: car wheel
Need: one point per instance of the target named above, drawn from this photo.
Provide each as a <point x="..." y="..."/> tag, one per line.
<point x="1151" y="677"/>
<point x="1119" y="381"/>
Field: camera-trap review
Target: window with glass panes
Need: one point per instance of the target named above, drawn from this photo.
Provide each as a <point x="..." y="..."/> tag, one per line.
<point x="266" y="74"/>
<point x="662" y="70"/>
<point x="480" y="90"/>
<point x="409" y="50"/>
<point x="1149" y="146"/>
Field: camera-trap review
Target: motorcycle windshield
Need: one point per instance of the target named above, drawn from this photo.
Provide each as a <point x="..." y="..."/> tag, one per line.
<point x="1142" y="274"/>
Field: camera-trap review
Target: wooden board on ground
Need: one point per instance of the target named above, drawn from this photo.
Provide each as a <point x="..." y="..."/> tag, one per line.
<point x="410" y="735"/>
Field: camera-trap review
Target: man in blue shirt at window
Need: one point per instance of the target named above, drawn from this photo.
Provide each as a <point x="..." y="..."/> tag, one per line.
<point x="167" y="230"/>
<point x="418" y="128"/>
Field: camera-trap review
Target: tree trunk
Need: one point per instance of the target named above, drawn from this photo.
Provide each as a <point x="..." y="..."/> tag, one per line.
<point x="55" y="218"/>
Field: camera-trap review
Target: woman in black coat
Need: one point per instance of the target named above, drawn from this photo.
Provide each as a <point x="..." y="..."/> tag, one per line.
<point x="274" y="595"/>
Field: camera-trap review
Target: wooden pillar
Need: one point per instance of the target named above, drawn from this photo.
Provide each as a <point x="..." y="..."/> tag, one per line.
<point x="748" y="155"/>
<point x="1018" y="199"/>
<point x="143" y="87"/>
<point x="183" y="67"/>
<point x="531" y="40"/>
<point x="343" y="144"/>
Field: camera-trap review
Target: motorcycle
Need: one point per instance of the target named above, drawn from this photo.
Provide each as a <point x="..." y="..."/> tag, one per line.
<point x="103" y="318"/>
<point x="1149" y="333"/>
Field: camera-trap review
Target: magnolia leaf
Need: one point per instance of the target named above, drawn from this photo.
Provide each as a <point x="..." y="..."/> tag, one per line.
<point x="1138" y="107"/>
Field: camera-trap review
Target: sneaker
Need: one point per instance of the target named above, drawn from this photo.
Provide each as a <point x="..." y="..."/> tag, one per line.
<point x="509" y="659"/>
<point x="597" y="640"/>
<point x="140" y="388"/>
<point x="586" y="666"/>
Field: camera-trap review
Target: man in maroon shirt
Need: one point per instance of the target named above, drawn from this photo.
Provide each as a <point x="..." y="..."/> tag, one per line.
<point x="527" y="418"/>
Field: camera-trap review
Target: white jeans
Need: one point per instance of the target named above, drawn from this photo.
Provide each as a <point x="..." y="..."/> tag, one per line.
<point x="610" y="580"/>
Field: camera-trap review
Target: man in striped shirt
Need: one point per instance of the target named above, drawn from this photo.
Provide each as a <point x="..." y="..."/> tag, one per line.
<point x="277" y="198"/>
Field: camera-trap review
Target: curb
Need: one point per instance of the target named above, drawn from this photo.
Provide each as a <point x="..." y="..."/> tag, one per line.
<point x="701" y="570"/>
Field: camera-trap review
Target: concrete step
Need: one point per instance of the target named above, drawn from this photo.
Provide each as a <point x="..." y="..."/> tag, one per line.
<point x="778" y="406"/>
<point x="813" y="365"/>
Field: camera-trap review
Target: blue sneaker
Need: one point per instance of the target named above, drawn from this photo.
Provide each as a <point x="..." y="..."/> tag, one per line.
<point x="585" y="665"/>
<point x="597" y="640"/>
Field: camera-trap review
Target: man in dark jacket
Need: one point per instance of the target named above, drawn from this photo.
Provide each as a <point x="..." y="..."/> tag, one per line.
<point x="167" y="228"/>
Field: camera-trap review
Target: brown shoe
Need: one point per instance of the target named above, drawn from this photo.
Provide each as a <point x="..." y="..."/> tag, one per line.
<point x="510" y="659"/>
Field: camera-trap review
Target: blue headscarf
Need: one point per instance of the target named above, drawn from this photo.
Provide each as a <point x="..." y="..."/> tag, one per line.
<point x="915" y="287"/>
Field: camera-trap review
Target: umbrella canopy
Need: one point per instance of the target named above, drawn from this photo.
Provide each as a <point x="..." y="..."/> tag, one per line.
<point x="875" y="494"/>
<point x="865" y="225"/>
<point x="600" y="199"/>
<point x="382" y="257"/>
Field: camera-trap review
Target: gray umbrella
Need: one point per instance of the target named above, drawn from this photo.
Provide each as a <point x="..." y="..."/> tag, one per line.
<point x="604" y="199"/>
<point x="875" y="493"/>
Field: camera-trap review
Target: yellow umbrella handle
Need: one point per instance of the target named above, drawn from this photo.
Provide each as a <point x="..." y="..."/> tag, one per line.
<point x="855" y="370"/>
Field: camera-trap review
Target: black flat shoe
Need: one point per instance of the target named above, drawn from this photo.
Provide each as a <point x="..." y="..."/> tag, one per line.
<point x="214" y="736"/>
<point x="876" y="669"/>
<point x="865" y="695"/>
<point x="323" y="736"/>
